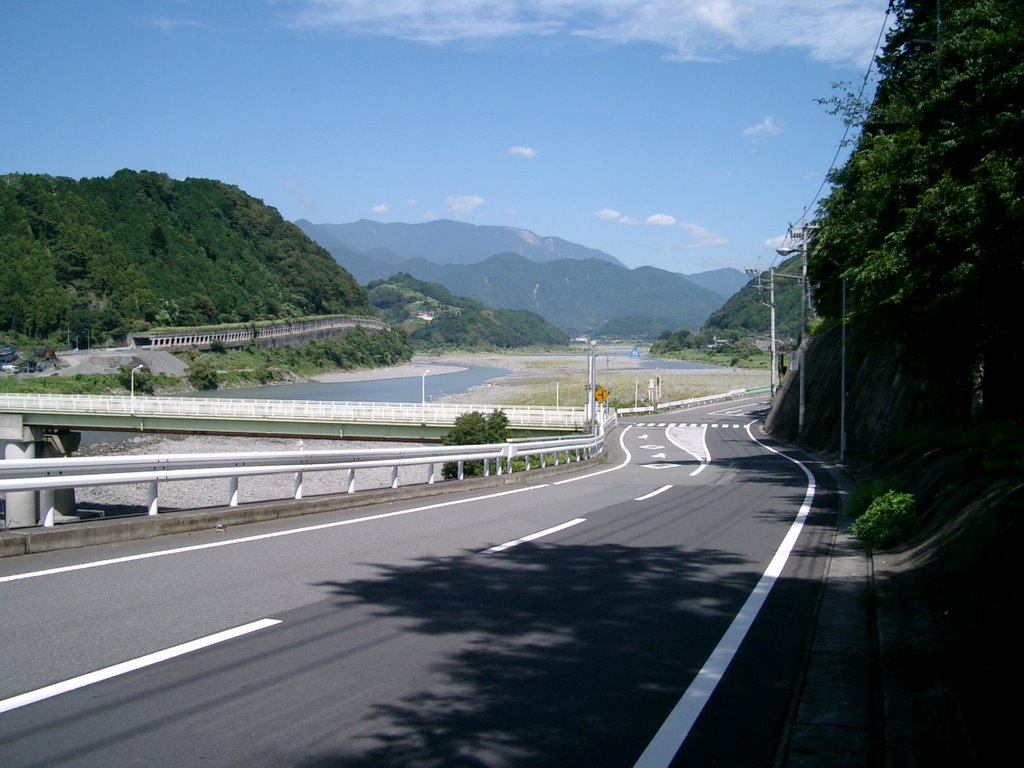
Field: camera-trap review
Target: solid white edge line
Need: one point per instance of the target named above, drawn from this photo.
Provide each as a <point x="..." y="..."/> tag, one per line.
<point x="652" y="494"/>
<point x="65" y="686"/>
<point x="673" y="732"/>
<point x="262" y="536"/>
<point x="533" y="536"/>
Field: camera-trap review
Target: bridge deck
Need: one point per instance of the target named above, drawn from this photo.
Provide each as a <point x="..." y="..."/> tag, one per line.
<point x="287" y="418"/>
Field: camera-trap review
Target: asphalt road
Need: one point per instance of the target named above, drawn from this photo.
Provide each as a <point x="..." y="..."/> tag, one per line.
<point x="653" y="611"/>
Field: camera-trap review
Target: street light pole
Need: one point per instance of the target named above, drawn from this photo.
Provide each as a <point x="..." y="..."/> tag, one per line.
<point x="136" y="368"/>
<point x="423" y="396"/>
<point x="592" y="388"/>
<point x="842" y="384"/>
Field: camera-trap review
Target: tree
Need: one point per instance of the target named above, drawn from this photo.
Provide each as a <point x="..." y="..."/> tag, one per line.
<point x="926" y="218"/>
<point x="202" y="374"/>
<point x="475" y="429"/>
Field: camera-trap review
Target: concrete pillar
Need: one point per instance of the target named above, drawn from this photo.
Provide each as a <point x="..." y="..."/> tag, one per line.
<point x="59" y="446"/>
<point x="19" y="442"/>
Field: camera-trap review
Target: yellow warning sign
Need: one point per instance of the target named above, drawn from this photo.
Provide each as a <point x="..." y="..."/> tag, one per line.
<point x="600" y="394"/>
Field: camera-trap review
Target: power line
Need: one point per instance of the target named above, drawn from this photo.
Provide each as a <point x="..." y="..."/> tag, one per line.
<point x="860" y="97"/>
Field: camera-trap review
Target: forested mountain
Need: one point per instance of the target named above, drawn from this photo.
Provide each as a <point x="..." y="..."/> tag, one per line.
<point x="577" y="296"/>
<point x="434" y="317"/>
<point x="106" y="256"/>
<point x="576" y="288"/>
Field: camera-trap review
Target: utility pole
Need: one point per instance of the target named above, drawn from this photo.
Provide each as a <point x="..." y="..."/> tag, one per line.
<point x="771" y="306"/>
<point x="802" y="236"/>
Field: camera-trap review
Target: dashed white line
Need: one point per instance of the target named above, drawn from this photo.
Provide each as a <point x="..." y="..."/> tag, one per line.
<point x="90" y="678"/>
<point x="533" y="536"/>
<point x="652" y="494"/>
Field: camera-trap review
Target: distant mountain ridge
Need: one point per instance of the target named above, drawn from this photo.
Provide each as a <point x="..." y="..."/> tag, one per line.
<point x="453" y="242"/>
<point x="578" y="292"/>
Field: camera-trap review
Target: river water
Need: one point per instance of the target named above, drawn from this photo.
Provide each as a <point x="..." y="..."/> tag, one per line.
<point x="408" y="389"/>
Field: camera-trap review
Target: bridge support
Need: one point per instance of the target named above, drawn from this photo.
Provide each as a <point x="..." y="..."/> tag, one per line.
<point x="17" y="441"/>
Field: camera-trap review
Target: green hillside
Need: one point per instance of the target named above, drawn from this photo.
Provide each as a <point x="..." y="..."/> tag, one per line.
<point x="435" y="318"/>
<point x="747" y="311"/>
<point x="101" y="257"/>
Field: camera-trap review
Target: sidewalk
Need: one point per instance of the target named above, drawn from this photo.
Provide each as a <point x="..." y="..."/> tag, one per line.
<point x="831" y="726"/>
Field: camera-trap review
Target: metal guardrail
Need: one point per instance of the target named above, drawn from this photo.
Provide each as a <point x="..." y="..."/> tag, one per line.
<point x="48" y="475"/>
<point x="290" y="410"/>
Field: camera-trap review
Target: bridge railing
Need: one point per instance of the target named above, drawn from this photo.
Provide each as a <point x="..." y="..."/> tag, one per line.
<point x="293" y="410"/>
<point x="48" y="475"/>
<point x="693" y="401"/>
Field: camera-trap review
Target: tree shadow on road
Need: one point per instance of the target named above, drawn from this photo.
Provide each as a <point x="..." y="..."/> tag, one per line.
<point x="568" y="655"/>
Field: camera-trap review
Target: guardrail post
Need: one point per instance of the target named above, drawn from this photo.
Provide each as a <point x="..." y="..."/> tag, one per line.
<point x="487" y="468"/>
<point x="298" y="485"/>
<point x="47" y="511"/>
<point x="462" y="470"/>
<point x="152" y="506"/>
<point x="350" y="481"/>
<point x="233" y="491"/>
<point x="394" y="476"/>
<point x="430" y="474"/>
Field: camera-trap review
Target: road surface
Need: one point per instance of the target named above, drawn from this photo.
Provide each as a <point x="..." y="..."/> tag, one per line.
<point x="651" y="611"/>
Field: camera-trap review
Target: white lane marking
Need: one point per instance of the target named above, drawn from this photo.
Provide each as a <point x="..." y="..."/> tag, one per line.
<point x="704" y="457"/>
<point x="533" y="536"/>
<point x="262" y="536"/>
<point x="616" y="468"/>
<point x="48" y="692"/>
<point x="652" y="494"/>
<point x="676" y="728"/>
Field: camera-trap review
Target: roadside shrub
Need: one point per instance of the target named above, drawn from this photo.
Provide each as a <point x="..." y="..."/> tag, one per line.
<point x="474" y="429"/>
<point x="887" y="521"/>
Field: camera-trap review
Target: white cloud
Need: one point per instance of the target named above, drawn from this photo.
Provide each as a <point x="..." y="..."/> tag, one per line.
<point x="610" y="214"/>
<point x="412" y="202"/>
<point x="767" y="127"/>
<point x="701" y="236"/>
<point x="462" y="205"/>
<point x="528" y="152"/>
<point x="380" y="209"/>
<point x="839" y="31"/>
<point x="661" y="220"/>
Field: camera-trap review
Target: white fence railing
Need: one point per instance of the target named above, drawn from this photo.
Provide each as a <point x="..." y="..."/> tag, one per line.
<point x="691" y="402"/>
<point x="286" y="410"/>
<point x="48" y="475"/>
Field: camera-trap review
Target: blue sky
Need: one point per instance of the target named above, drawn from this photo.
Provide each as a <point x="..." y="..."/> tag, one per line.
<point x="682" y="134"/>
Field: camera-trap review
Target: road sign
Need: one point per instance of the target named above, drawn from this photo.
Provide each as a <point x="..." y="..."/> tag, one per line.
<point x="600" y="394"/>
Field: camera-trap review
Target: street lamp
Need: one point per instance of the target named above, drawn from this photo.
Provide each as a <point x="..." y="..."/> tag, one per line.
<point x="423" y="396"/>
<point x="136" y="368"/>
